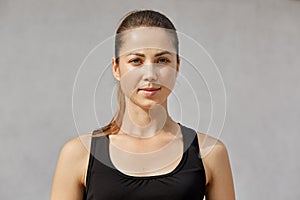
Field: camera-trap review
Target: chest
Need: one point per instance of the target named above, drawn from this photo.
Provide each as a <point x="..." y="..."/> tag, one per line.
<point x="161" y="161"/>
<point x="181" y="186"/>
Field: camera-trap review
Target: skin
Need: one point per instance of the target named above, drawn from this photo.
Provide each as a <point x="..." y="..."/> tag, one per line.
<point x="70" y="175"/>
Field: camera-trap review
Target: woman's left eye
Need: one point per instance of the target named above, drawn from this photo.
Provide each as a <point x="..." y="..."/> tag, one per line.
<point x="163" y="60"/>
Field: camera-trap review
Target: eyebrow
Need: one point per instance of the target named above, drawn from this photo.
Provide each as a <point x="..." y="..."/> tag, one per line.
<point x="143" y="55"/>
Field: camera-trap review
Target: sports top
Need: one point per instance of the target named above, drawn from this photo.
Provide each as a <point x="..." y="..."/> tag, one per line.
<point x="186" y="181"/>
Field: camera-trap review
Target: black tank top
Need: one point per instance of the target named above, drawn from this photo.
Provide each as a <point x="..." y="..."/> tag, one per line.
<point x="185" y="182"/>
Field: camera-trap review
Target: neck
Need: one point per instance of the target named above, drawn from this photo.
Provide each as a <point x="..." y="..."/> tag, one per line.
<point x="145" y="123"/>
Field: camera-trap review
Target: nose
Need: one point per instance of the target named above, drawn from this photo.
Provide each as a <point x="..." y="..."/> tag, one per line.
<point x="149" y="72"/>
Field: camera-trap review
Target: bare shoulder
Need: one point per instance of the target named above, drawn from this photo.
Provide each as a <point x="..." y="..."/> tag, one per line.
<point x="79" y="150"/>
<point x="216" y="162"/>
<point x="69" y="177"/>
<point x="75" y="153"/>
<point x="77" y="147"/>
<point x="212" y="150"/>
<point x="209" y="145"/>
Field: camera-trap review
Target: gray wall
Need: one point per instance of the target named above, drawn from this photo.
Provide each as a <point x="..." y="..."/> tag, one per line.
<point x="255" y="44"/>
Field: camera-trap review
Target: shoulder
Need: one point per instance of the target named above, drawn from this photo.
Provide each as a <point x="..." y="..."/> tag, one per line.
<point x="219" y="182"/>
<point x="214" y="154"/>
<point x="74" y="155"/>
<point x="68" y="182"/>
<point x="210" y="145"/>
<point x="76" y="147"/>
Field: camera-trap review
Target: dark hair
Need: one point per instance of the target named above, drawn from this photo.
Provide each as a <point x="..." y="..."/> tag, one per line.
<point x="135" y="19"/>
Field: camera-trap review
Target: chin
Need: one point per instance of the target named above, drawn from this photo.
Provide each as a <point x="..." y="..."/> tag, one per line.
<point x="146" y="103"/>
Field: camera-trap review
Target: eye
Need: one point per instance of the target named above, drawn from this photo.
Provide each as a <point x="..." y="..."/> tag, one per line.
<point x="135" y="61"/>
<point x="163" y="60"/>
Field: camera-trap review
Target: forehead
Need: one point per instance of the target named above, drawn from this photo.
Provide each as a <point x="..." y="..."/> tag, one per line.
<point x="147" y="38"/>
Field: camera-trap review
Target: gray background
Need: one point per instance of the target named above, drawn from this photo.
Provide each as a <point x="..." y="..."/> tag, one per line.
<point x="255" y="44"/>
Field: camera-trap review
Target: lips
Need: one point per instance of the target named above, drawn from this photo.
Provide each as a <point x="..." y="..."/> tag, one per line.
<point x="149" y="91"/>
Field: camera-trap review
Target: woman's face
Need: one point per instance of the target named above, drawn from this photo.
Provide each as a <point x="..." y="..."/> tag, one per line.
<point x="147" y="67"/>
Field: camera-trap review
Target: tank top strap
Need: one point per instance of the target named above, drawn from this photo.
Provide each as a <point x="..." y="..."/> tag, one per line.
<point x="99" y="147"/>
<point x="190" y="138"/>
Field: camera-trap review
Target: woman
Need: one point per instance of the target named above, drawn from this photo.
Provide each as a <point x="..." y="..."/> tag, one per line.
<point x="142" y="153"/>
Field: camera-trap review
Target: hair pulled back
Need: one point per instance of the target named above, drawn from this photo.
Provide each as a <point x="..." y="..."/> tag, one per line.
<point x="134" y="19"/>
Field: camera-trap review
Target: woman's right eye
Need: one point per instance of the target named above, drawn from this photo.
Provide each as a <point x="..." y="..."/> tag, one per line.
<point x="135" y="61"/>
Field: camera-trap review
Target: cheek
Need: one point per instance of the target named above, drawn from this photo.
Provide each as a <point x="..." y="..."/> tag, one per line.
<point x="168" y="77"/>
<point x="129" y="81"/>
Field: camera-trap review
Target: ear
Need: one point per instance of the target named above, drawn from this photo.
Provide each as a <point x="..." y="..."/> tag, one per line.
<point x="115" y="68"/>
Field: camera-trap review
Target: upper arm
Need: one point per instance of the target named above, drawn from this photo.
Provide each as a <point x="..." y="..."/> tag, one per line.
<point x="220" y="184"/>
<point x="69" y="173"/>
